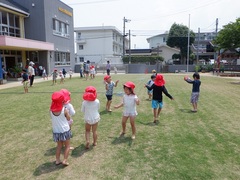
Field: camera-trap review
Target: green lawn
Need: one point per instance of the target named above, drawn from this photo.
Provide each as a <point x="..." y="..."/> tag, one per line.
<point x="184" y="145"/>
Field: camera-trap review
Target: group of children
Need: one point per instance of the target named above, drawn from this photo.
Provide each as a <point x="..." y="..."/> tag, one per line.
<point x="61" y="110"/>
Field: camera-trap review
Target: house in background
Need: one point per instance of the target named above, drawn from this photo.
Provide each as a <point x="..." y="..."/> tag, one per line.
<point x="99" y="44"/>
<point x="38" y="31"/>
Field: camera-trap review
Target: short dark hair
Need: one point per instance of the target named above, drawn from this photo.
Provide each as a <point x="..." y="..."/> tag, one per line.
<point x="196" y="75"/>
<point x="153" y="76"/>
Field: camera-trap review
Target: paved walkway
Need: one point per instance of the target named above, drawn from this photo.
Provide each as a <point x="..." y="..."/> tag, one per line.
<point x="38" y="79"/>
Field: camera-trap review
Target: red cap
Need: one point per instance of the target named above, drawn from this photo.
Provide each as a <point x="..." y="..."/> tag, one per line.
<point x="57" y="101"/>
<point x="106" y="77"/>
<point x="66" y="95"/>
<point x="90" y="93"/>
<point x="130" y="85"/>
<point x="159" y="81"/>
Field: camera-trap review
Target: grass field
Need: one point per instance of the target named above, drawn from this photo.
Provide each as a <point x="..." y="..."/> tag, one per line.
<point x="183" y="145"/>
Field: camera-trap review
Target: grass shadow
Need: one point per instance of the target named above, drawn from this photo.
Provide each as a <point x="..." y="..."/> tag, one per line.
<point x="149" y="123"/>
<point x="47" y="167"/>
<point x="80" y="150"/>
<point x="122" y="139"/>
<point x="50" y="152"/>
<point x="103" y="112"/>
<point x="186" y="111"/>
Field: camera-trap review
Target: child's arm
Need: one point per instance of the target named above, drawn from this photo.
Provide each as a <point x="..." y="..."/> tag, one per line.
<point x="118" y="106"/>
<point x="66" y="113"/>
<point x="116" y="83"/>
<point x="137" y="100"/>
<point x="166" y="93"/>
<point x="106" y="85"/>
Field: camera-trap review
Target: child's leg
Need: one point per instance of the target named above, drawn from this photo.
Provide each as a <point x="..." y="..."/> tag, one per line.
<point x="87" y="134"/>
<point x="66" y="152"/>
<point x="124" y="121"/>
<point x="158" y="113"/>
<point x="58" y="151"/>
<point x="94" y="130"/>
<point x="155" y="114"/>
<point x="109" y="105"/>
<point x="132" y="122"/>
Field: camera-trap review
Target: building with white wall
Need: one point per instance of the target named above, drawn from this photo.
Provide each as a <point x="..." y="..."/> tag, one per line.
<point x="99" y="44"/>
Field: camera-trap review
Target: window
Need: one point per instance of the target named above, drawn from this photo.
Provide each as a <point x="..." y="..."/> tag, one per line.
<point x="60" y="28"/>
<point x="79" y="36"/>
<point x="62" y="58"/>
<point x="9" y="24"/>
<point x="80" y="47"/>
<point x="81" y="59"/>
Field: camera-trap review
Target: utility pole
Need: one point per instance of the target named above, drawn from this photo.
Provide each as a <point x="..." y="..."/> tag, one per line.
<point x="216" y="54"/>
<point x="188" y="42"/>
<point x="198" y="45"/>
<point x="124" y="35"/>
<point x="129" y="62"/>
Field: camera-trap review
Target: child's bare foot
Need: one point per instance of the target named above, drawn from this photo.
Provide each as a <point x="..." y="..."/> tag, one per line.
<point x="122" y="134"/>
<point x="71" y="148"/>
<point x="87" y="145"/>
<point x="94" y="144"/>
<point x="65" y="163"/>
<point x="133" y="136"/>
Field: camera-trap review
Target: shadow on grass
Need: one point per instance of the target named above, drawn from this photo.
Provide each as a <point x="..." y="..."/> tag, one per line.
<point x="186" y="111"/>
<point x="50" y="152"/>
<point x="104" y="112"/>
<point x="80" y="150"/>
<point x="47" y="168"/>
<point x="150" y="123"/>
<point x="122" y="139"/>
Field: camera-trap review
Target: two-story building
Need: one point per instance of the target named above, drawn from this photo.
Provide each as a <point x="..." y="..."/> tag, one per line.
<point x="39" y="31"/>
<point x="99" y="44"/>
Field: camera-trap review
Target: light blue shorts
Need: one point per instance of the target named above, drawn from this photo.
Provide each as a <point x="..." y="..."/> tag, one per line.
<point x="157" y="104"/>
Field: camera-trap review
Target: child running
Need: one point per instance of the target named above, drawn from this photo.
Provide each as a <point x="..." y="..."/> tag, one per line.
<point x="25" y="81"/>
<point x="109" y="85"/>
<point x="129" y="102"/>
<point x="60" y="127"/>
<point x="157" y="99"/>
<point x="150" y="83"/>
<point x="196" y="83"/>
<point x="90" y="108"/>
<point x="54" y="77"/>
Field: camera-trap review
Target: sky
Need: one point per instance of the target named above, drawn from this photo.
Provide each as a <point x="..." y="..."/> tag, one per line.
<point x="152" y="17"/>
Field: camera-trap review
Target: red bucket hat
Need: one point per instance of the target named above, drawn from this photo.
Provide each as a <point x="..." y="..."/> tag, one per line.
<point x="57" y="101"/>
<point x="159" y="81"/>
<point x="66" y="95"/>
<point x="106" y="77"/>
<point x="130" y="85"/>
<point x="90" y="94"/>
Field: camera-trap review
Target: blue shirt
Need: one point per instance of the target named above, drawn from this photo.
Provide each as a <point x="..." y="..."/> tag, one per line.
<point x="196" y="84"/>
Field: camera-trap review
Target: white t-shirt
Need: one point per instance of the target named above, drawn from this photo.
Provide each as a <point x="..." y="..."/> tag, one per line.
<point x="90" y="110"/>
<point x="70" y="108"/>
<point x="31" y="71"/>
<point x="129" y="105"/>
<point x="59" y="123"/>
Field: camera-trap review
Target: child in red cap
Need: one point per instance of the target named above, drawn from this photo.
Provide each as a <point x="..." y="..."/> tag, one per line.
<point x="90" y="108"/>
<point x="129" y="102"/>
<point x="158" y="88"/>
<point x="61" y="130"/>
<point x="109" y="85"/>
<point x="68" y="105"/>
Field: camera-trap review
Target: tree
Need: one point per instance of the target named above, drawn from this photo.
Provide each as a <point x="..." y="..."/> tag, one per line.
<point x="229" y="36"/>
<point x="178" y="37"/>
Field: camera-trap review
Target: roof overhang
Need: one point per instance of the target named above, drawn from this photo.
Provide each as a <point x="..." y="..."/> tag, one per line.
<point x="14" y="43"/>
<point x="14" y="9"/>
